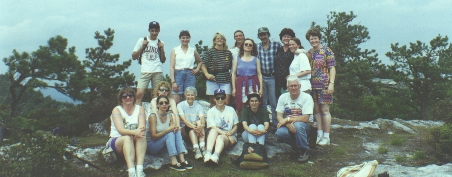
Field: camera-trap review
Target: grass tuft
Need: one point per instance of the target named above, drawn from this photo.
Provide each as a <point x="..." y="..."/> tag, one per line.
<point x="382" y="150"/>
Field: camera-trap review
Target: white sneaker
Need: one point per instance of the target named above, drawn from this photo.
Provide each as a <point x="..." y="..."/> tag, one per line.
<point x="214" y="158"/>
<point x="319" y="138"/>
<point x="142" y="174"/>
<point x="132" y="174"/>
<point x="198" y="154"/>
<point x="325" y="141"/>
<point x="203" y="150"/>
<point x="207" y="157"/>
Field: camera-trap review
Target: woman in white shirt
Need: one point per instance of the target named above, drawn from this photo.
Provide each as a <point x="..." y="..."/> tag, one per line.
<point x="300" y="66"/>
<point x="182" y="71"/>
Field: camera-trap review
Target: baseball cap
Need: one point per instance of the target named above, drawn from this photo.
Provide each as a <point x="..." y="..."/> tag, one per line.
<point x="219" y="92"/>
<point x="262" y="30"/>
<point x="154" y="24"/>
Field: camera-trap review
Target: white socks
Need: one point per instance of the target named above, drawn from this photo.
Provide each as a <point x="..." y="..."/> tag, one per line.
<point x="139" y="168"/>
<point x="202" y="144"/>
<point x="195" y="147"/>
<point x="326" y="135"/>
<point x="320" y="133"/>
<point x="131" y="170"/>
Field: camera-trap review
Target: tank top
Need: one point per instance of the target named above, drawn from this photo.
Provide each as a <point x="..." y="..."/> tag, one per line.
<point x="128" y="120"/>
<point x="246" y="68"/>
<point x="161" y="126"/>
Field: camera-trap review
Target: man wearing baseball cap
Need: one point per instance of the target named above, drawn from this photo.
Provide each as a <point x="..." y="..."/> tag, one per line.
<point x="151" y="55"/>
<point x="266" y="53"/>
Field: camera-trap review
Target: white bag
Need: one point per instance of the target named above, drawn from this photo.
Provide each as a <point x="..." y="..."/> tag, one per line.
<point x="366" y="169"/>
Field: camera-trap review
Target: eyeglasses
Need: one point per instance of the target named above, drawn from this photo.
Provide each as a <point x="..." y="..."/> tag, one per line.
<point x="248" y="44"/>
<point x="220" y="97"/>
<point x="294" y="86"/>
<point x="163" y="103"/>
<point x="127" y="95"/>
<point x="164" y="90"/>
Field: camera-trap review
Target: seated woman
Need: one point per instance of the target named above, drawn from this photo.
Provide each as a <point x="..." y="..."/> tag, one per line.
<point x="163" y="88"/>
<point x="165" y="132"/>
<point x="127" y="131"/>
<point x="222" y="121"/>
<point x="255" y="120"/>
<point x="192" y="115"/>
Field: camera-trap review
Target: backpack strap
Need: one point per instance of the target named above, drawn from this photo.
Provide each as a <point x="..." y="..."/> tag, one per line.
<point x="139" y="57"/>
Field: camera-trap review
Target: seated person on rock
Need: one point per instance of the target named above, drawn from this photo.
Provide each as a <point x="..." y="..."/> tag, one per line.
<point x="191" y="114"/>
<point x="165" y="131"/>
<point x="127" y="131"/>
<point x="163" y="88"/>
<point x="293" y="111"/>
<point x="222" y="121"/>
<point x="255" y="120"/>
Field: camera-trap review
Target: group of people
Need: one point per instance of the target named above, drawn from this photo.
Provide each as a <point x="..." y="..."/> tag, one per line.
<point x="297" y="84"/>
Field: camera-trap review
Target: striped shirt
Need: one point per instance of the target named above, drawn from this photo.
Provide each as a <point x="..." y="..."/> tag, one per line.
<point x="218" y="66"/>
<point x="267" y="57"/>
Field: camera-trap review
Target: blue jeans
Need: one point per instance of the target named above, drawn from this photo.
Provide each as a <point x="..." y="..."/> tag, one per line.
<point x="184" y="79"/>
<point x="269" y="94"/>
<point x="250" y="138"/>
<point x="299" y="139"/>
<point x="172" y="141"/>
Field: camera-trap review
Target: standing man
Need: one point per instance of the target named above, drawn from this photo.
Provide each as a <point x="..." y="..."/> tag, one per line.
<point x="266" y="53"/>
<point x="294" y="108"/>
<point x="151" y="55"/>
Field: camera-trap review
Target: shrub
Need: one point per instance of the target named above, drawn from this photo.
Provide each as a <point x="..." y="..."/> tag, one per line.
<point x="397" y="141"/>
<point x="419" y="155"/>
<point x="382" y="150"/>
<point x="40" y="154"/>
<point x="442" y="138"/>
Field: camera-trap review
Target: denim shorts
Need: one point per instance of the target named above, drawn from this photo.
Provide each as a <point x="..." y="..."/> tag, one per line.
<point x="212" y="86"/>
<point x="184" y="79"/>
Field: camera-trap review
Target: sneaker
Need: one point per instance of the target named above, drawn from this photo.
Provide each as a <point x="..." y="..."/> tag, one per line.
<point x="177" y="167"/>
<point x="198" y="154"/>
<point x="207" y="157"/>
<point x="142" y="174"/>
<point x="304" y="156"/>
<point x="319" y="138"/>
<point x="325" y="141"/>
<point x="214" y="158"/>
<point x="132" y="174"/>
<point x="187" y="165"/>
<point x="203" y="150"/>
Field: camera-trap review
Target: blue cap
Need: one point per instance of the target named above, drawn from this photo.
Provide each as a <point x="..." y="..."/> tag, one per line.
<point x="219" y="92"/>
<point x="154" y="24"/>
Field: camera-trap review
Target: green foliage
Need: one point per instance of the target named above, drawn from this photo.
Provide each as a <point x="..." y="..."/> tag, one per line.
<point x="49" y="64"/>
<point x="397" y="140"/>
<point x="38" y="155"/>
<point x="382" y="150"/>
<point x="419" y="155"/>
<point x="441" y="110"/>
<point x="339" y="151"/>
<point x="400" y="159"/>
<point x="442" y="138"/>
<point x="423" y="69"/>
<point x="200" y="79"/>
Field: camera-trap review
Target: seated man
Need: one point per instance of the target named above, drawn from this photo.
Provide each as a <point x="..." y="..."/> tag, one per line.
<point x="293" y="111"/>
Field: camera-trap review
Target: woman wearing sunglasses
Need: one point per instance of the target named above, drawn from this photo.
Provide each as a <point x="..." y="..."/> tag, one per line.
<point x="127" y="131"/>
<point x="182" y="69"/>
<point x="246" y="74"/>
<point x="300" y="66"/>
<point x="222" y="121"/>
<point x="216" y="65"/>
<point x="165" y="131"/>
<point x="163" y="89"/>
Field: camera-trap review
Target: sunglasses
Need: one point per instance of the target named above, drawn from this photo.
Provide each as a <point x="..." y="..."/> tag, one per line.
<point x="248" y="45"/>
<point x="127" y="95"/>
<point x="220" y="97"/>
<point x="164" y="90"/>
<point x="163" y="102"/>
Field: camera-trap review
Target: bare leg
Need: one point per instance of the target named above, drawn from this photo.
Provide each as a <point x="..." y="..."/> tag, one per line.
<point x="124" y="145"/>
<point x="211" y="139"/>
<point x="201" y="139"/>
<point x="326" y="117"/>
<point x="173" y="160"/>
<point x="222" y="141"/>
<point x="193" y="137"/>
<point x="318" y="116"/>
<point x="140" y="95"/>
<point x="181" y="157"/>
<point x="176" y="98"/>
<point x="140" y="149"/>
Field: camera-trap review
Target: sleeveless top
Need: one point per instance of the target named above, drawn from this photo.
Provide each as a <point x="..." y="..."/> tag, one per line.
<point x="163" y="126"/>
<point x="129" y="121"/>
<point x="184" y="60"/>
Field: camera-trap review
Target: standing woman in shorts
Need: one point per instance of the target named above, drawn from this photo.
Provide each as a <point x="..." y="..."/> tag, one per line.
<point x="127" y="131"/>
<point x="323" y="75"/>
<point x="182" y="71"/>
<point x="216" y="65"/>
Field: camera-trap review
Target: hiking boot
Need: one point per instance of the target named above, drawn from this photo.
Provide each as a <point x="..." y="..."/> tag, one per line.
<point x="198" y="154"/>
<point x="187" y="165"/>
<point x="214" y="158"/>
<point x="177" y="167"/>
<point x="304" y="155"/>
<point x="207" y="157"/>
<point x="325" y="141"/>
<point x="319" y="138"/>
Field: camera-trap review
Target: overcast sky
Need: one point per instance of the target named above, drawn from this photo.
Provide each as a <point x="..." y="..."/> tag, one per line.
<point x="25" y="25"/>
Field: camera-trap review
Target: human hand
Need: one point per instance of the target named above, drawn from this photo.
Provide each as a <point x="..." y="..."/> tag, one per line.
<point x="233" y="92"/>
<point x="194" y="71"/>
<point x="145" y="43"/>
<point x="331" y="88"/>
<point x="161" y="45"/>
<point x="261" y="92"/>
<point x="291" y="128"/>
<point x="175" y="87"/>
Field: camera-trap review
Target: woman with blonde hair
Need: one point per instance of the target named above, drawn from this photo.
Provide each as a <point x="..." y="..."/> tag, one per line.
<point x="217" y="63"/>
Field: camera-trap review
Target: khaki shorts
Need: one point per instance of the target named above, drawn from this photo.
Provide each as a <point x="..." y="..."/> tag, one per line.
<point x="145" y="78"/>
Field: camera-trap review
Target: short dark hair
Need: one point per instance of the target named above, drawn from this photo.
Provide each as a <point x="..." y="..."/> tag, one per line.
<point x="160" y="97"/>
<point x="184" y="33"/>
<point x="313" y="32"/>
<point x="236" y="31"/>
<point x="286" y="31"/>
<point x="296" y="40"/>
<point x="253" y="52"/>
<point x="124" y="90"/>
<point x="247" y="103"/>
